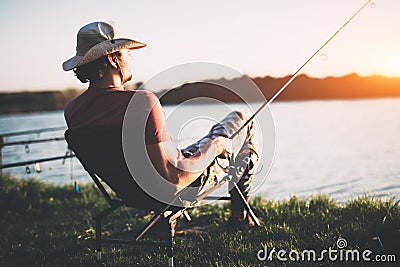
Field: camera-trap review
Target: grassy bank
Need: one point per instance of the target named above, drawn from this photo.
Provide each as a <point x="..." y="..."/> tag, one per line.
<point x="45" y="225"/>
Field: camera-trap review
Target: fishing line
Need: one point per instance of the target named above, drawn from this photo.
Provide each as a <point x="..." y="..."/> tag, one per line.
<point x="294" y="75"/>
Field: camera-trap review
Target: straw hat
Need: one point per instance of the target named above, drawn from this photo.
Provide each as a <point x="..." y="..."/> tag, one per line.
<point x="97" y="39"/>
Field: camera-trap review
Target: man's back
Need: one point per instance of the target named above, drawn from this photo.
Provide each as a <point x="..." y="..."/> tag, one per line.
<point x="95" y="119"/>
<point x="100" y="151"/>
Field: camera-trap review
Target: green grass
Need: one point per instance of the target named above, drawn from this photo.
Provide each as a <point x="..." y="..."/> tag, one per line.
<point x="46" y="225"/>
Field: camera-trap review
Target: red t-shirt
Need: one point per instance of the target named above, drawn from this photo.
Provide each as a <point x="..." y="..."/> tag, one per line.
<point x="107" y="106"/>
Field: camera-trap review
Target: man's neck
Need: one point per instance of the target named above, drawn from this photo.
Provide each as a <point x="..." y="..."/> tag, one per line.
<point x="109" y="80"/>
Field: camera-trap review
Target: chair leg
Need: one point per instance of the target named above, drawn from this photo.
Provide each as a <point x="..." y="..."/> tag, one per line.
<point x="246" y="205"/>
<point x="99" y="246"/>
<point x="98" y="217"/>
<point x="170" y="248"/>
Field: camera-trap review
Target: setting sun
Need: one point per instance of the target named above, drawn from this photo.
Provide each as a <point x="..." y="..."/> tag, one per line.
<point x="391" y="66"/>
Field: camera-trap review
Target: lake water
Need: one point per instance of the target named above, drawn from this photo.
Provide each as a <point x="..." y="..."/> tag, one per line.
<point x="340" y="148"/>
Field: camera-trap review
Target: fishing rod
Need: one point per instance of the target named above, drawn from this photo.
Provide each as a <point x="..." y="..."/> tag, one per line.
<point x="29" y="162"/>
<point x="299" y="69"/>
<point x="38" y="131"/>
<point x="28" y="142"/>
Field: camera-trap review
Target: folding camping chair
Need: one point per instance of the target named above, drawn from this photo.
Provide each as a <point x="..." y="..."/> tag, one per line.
<point x="99" y="149"/>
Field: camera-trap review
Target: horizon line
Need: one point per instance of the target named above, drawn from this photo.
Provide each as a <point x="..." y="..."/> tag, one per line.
<point x="20" y="90"/>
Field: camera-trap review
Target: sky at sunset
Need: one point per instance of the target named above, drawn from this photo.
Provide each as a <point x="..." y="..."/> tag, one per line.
<point x="257" y="38"/>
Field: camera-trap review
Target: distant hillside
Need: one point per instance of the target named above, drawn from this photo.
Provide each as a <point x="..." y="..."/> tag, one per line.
<point x="302" y="88"/>
<point x="347" y="87"/>
<point x="35" y="101"/>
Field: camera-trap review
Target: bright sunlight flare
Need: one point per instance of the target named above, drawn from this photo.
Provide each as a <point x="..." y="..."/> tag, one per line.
<point x="391" y="66"/>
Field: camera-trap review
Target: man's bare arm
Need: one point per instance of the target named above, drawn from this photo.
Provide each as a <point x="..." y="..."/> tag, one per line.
<point x="181" y="171"/>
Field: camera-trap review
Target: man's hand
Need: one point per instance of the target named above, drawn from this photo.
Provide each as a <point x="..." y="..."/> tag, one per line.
<point x="223" y="146"/>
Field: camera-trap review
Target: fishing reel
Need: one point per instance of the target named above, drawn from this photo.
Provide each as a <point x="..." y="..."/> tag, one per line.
<point x="236" y="168"/>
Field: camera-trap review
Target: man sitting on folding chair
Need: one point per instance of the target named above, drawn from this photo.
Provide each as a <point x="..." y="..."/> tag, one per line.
<point x="103" y="59"/>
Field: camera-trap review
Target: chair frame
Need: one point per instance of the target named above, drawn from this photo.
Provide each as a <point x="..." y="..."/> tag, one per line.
<point x="175" y="214"/>
<point x="91" y="135"/>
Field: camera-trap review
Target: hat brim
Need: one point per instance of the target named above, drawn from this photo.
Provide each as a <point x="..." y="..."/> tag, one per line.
<point x="101" y="49"/>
